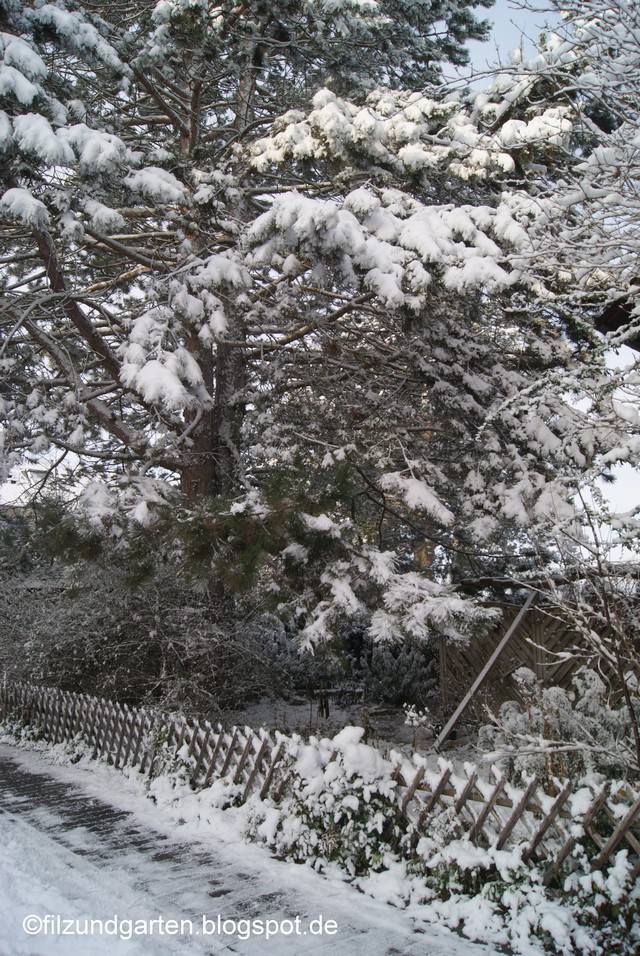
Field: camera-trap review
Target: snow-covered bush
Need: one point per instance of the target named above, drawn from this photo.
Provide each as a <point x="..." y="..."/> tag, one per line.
<point x="166" y="761"/>
<point x="496" y="897"/>
<point x="607" y="903"/>
<point x="561" y="733"/>
<point x="492" y="896"/>
<point x="339" y="805"/>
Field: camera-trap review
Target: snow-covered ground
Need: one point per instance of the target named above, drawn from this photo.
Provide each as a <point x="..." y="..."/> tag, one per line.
<point x="85" y="843"/>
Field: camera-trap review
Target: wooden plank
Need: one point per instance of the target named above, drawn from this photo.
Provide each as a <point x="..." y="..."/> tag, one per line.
<point x="434" y="796"/>
<point x="237" y="777"/>
<point x="72" y="713"/>
<point x="32" y="711"/>
<point x="193" y="750"/>
<point x="438" y="791"/>
<point x="629" y="836"/>
<point x="131" y="735"/>
<point x="76" y="726"/>
<point x="185" y="730"/>
<point x="171" y="732"/>
<point x="26" y="704"/>
<point x="146" y="728"/>
<point x="197" y="729"/>
<point x="86" y="716"/>
<point x="214" y="755"/>
<point x="93" y="716"/>
<point x="32" y="706"/>
<point x="275" y="760"/>
<point x="108" y="729"/>
<point x="617" y="834"/>
<point x="55" y="718"/>
<point x="99" y="725"/>
<point x="548" y="820"/>
<point x="230" y="753"/>
<point x="42" y="704"/>
<point x="446" y="731"/>
<point x="396" y="774"/>
<point x="410" y="791"/>
<point x="66" y="731"/>
<point x="99" y="735"/>
<point x="204" y="747"/>
<point x="114" y="725"/>
<point x="483" y="816"/>
<point x="566" y="849"/>
<point x="518" y="810"/>
<point x="103" y="716"/>
<point x="462" y="799"/>
<point x="114" y="739"/>
<point x="283" y="782"/>
<point x="62" y="718"/>
<point x="264" y="746"/>
<point x="597" y="838"/>
<point x="124" y="736"/>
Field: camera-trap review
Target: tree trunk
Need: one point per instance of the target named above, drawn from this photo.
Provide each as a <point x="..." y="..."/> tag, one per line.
<point x="228" y="414"/>
<point x="197" y="473"/>
<point x="212" y="464"/>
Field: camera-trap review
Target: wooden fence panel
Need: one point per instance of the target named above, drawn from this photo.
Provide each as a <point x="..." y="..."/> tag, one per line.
<point x="547" y="642"/>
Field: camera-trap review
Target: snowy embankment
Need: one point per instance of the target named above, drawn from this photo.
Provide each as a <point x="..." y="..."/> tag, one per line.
<point x="70" y="851"/>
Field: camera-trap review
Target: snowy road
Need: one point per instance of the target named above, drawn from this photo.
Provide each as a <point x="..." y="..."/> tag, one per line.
<point x="79" y="845"/>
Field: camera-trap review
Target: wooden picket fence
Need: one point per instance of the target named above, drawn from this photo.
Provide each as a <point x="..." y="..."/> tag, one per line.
<point x="146" y="739"/>
<point x="485" y="811"/>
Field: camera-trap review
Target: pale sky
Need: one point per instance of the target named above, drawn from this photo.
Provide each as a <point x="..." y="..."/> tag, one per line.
<point x="511" y="26"/>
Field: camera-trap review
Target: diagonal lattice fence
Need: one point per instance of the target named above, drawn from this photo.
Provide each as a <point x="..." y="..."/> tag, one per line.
<point x="487" y="811"/>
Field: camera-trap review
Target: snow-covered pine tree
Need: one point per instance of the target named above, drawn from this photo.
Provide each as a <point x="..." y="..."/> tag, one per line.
<point x="131" y="120"/>
<point x="250" y="248"/>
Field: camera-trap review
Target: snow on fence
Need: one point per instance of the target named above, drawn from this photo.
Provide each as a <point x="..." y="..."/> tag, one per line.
<point x="487" y="812"/>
